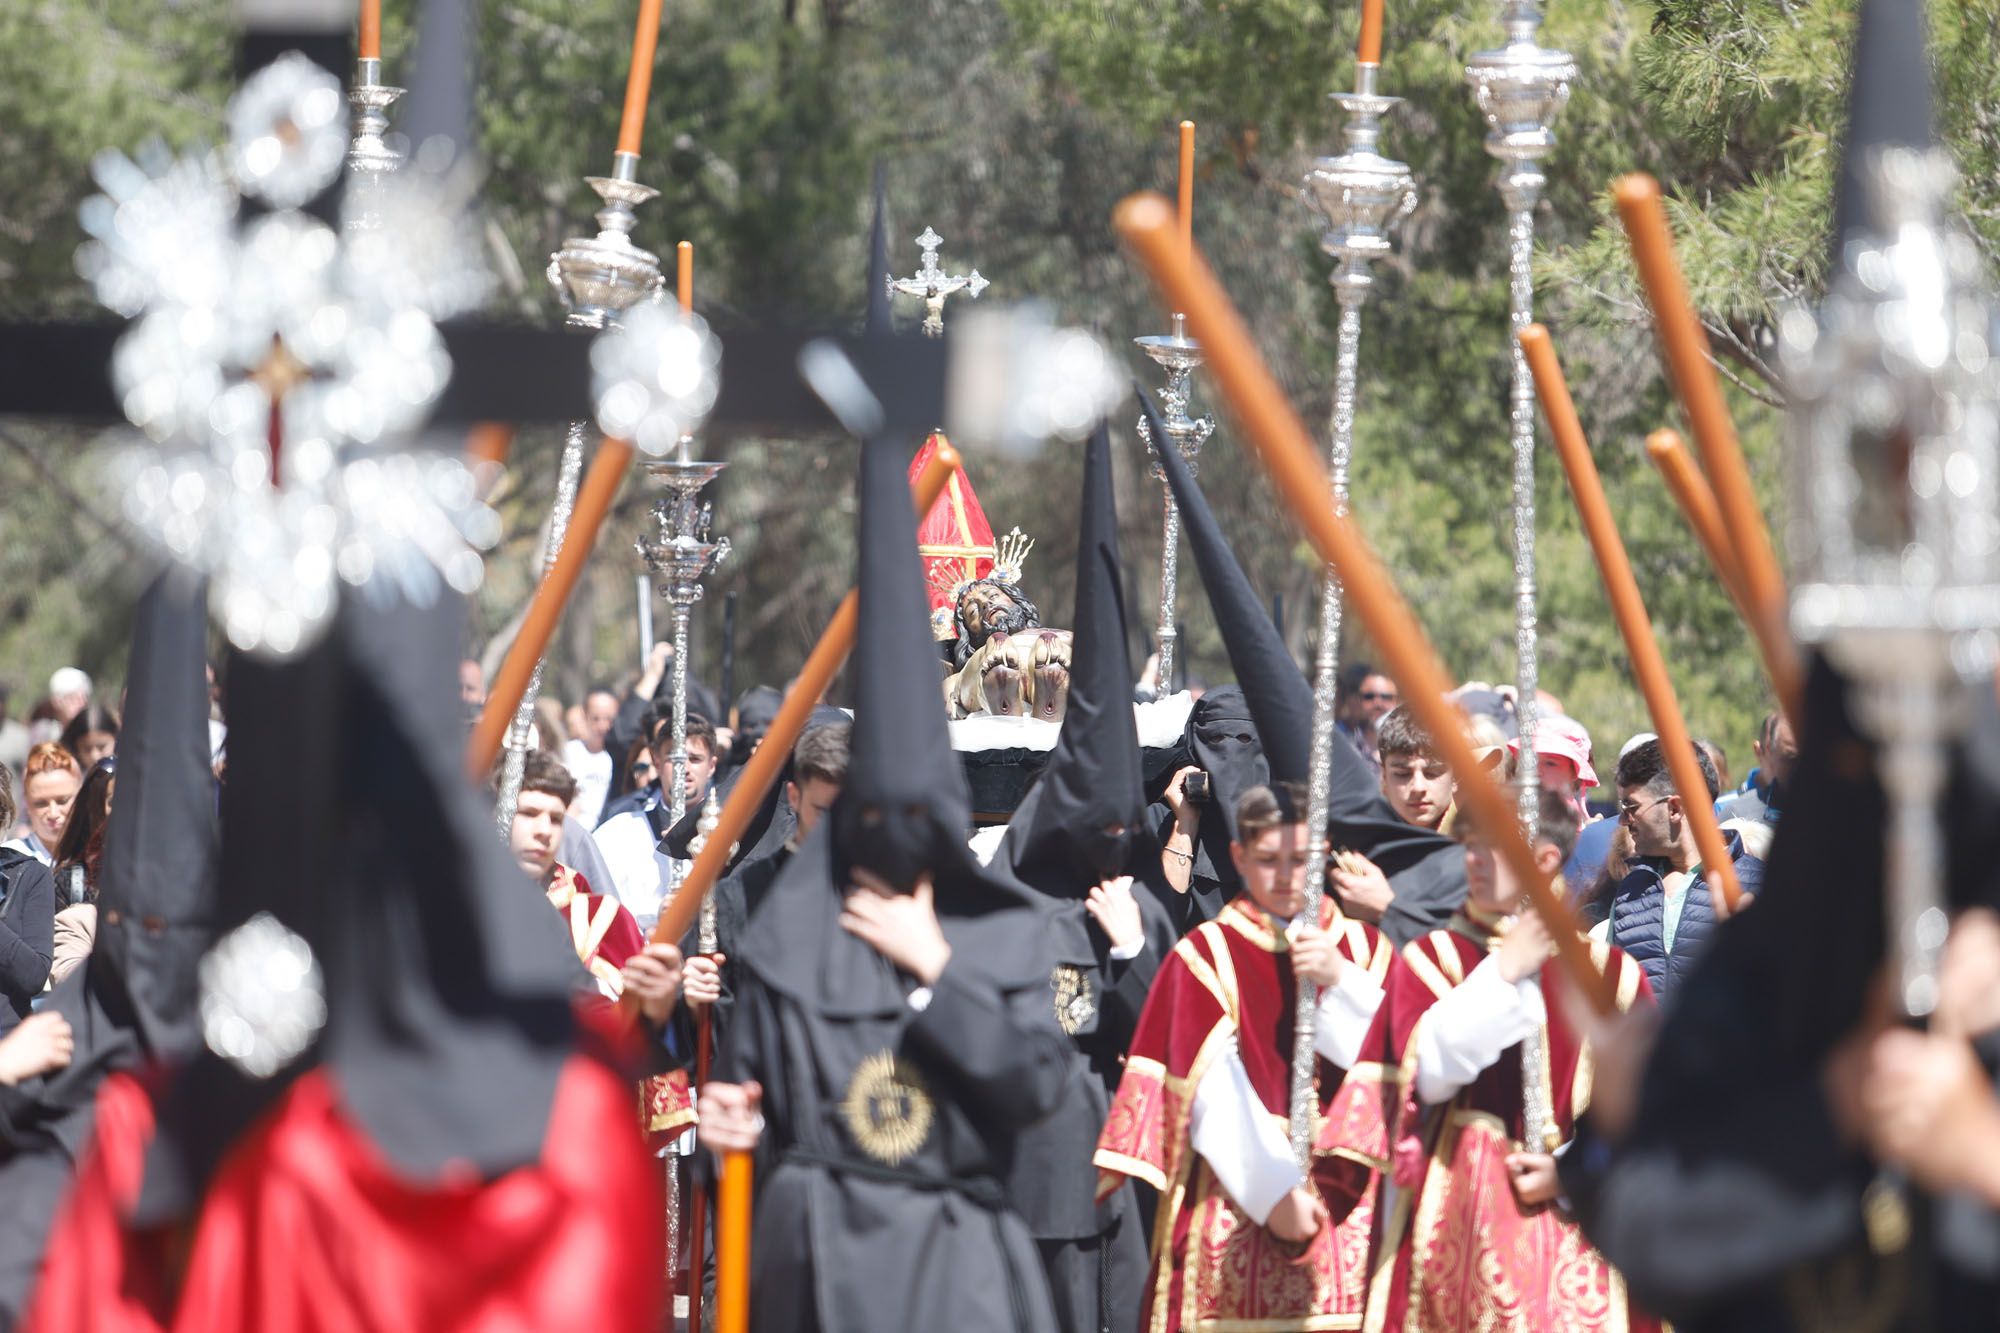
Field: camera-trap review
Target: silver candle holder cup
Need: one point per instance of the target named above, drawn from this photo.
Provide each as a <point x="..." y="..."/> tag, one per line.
<point x="1520" y="89"/>
<point x="370" y="156"/>
<point x="599" y="277"/>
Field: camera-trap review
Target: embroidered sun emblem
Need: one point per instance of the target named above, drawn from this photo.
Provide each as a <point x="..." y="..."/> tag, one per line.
<point x="888" y="1109"/>
<point x="1076" y="998"/>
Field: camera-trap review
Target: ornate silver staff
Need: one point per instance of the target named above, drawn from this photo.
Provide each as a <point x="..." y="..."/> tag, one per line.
<point x="680" y="553"/>
<point x="1178" y="355"/>
<point x="1361" y="194"/>
<point x="1521" y="88"/>
<point x="1895" y="463"/>
<point x="597" y="278"/>
<point x="933" y="284"/>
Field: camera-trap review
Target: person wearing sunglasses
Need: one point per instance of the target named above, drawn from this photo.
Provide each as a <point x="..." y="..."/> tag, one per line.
<point x="1661" y="912"/>
<point x="1364" y="697"/>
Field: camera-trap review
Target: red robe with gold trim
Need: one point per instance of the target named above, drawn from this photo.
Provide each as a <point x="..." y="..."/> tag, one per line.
<point x="604" y="934"/>
<point x="1457" y="1250"/>
<point x="1213" y="1268"/>
<point x="305" y="1228"/>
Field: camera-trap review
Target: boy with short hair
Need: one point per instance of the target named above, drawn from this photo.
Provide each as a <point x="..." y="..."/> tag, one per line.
<point x="1479" y="1083"/>
<point x="601" y="931"/>
<point x="1415" y="779"/>
<point x="1245" y="1238"/>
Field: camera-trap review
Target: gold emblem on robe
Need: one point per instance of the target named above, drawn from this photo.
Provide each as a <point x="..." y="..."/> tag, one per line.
<point x="888" y="1109"/>
<point x="1076" y="998"/>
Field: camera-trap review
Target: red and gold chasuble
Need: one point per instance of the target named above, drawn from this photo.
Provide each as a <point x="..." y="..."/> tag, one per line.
<point x="604" y="934"/>
<point x="1213" y="1268"/>
<point x="1457" y="1251"/>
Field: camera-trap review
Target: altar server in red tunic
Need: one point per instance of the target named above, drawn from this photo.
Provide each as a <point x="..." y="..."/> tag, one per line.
<point x="1243" y="1238"/>
<point x="1471" y="1084"/>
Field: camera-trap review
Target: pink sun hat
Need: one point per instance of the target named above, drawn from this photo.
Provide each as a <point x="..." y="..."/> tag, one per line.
<point x="1563" y="736"/>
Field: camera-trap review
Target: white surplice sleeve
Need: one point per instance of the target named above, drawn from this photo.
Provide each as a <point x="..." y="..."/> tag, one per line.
<point x="1346" y="1009"/>
<point x="1237" y="1137"/>
<point x="1470" y="1026"/>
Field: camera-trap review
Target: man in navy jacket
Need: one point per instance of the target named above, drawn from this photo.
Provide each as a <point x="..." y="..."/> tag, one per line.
<point x="1661" y="913"/>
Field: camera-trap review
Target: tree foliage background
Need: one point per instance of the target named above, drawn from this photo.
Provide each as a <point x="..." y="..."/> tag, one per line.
<point x="1013" y="126"/>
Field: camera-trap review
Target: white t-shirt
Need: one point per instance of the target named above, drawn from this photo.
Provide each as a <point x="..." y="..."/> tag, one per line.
<point x="592" y="772"/>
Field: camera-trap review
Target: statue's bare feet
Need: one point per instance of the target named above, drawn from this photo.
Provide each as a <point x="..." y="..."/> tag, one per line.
<point x="1051" y="674"/>
<point x="1002" y="681"/>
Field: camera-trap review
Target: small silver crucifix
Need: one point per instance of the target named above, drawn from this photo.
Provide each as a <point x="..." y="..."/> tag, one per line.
<point x="934" y="284"/>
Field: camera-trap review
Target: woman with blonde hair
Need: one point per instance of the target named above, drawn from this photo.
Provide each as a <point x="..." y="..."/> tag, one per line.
<point x="49" y="783"/>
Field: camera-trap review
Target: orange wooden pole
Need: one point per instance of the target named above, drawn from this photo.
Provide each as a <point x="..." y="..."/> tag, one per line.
<point x="732" y="1244"/>
<point x="1622" y="588"/>
<point x="1690" y="490"/>
<point x="1697" y="503"/>
<point x="1187" y="186"/>
<point x="765" y="762"/>
<point x="1700" y="392"/>
<point x="593" y="502"/>
<point x="1286" y="450"/>
<point x="697" y="1212"/>
<point x="1369" y="50"/>
<point x="639" y="79"/>
<point x="489" y="441"/>
<point x="368" y="44"/>
<point x="684" y="275"/>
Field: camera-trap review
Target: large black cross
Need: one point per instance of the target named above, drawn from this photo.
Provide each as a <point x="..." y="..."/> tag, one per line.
<point x="512" y="373"/>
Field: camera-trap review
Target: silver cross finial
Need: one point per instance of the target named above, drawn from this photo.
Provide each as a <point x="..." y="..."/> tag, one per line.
<point x="934" y="284"/>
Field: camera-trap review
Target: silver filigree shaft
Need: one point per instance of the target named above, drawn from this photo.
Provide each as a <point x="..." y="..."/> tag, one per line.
<point x="707" y="939"/>
<point x="1326" y="676"/>
<point x="521" y="732"/>
<point x="1521" y="431"/>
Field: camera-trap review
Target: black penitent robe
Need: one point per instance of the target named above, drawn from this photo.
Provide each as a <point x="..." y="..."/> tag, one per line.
<point x="889" y="1128"/>
<point x="1733" y="1204"/>
<point x="1094" y="1253"/>
<point x="738" y="895"/>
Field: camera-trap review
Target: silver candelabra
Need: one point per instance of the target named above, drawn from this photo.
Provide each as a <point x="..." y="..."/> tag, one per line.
<point x="933" y="284"/>
<point x="1178" y="355"/>
<point x="596" y="278"/>
<point x="680" y="551"/>
<point x="1520" y="89"/>
<point x="1361" y="195"/>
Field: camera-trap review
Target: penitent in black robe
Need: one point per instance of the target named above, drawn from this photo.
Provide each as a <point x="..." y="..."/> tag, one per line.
<point x="890" y="1128"/>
